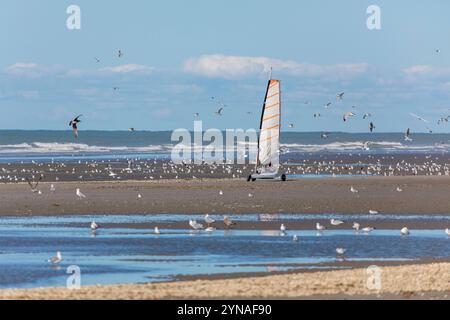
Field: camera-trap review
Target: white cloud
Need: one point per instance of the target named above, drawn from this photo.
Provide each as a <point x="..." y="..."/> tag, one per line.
<point x="218" y="65"/>
<point x="30" y="69"/>
<point x="426" y="70"/>
<point x="128" y="68"/>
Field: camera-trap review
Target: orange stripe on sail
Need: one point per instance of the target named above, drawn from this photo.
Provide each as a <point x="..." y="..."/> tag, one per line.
<point x="273" y="95"/>
<point x="272" y="127"/>
<point x="272" y="105"/>
<point x="269" y="138"/>
<point x="273" y="83"/>
<point x="276" y="115"/>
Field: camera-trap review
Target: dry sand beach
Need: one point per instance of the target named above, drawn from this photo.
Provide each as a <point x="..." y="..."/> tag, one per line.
<point x="423" y="281"/>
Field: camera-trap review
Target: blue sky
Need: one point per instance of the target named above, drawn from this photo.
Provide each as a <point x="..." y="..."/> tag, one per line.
<point x="178" y="54"/>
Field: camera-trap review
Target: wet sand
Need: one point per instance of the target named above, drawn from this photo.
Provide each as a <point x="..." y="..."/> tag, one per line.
<point x="420" y="195"/>
<point x="421" y="281"/>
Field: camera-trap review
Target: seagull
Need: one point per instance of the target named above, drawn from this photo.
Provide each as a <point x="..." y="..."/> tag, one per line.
<point x="120" y="53"/>
<point x="340" y="96"/>
<point x="353" y="190"/>
<point x="34" y="186"/>
<point x="79" y="194"/>
<point x="219" y="112"/>
<point x="373" y="212"/>
<point x="139" y="196"/>
<point x="131" y="129"/>
<point x="156" y="230"/>
<point x="97" y="60"/>
<point x="56" y="259"/>
<point x="324" y="135"/>
<point x="368" y="229"/>
<point x="347" y="115"/>
<point x="371" y="126"/>
<point x="399" y="189"/>
<point x="221" y="192"/>
<point x="327" y="105"/>
<point x="52" y="188"/>
<point x="94" y="225"/>
<point x="407" y="135"/>
<point x="418" y="117"/>
<point x="116" y="88"/>
<point x="404" y="231"/>
<point x="295" y="238"/>
<point x="356" y="226"/>
<point x="209" y="220"/>
<point x="437" y="50"/>
<point x="196" y="114"/>
<point x="320" y="227"/>
<point x="340" y="251"/>
<point x="447" y="231"/>
<point x="291" y="125"/>
<point x="336" y="222"/>
<point x="210" y="229"/>
<point x="228" y="222"/>
<point x="317" y="115"/>
<point x="195" y="225"/>
<point x="74" y="123"/>
<point x="283" y="228"/>
<point x="366" y="115"/>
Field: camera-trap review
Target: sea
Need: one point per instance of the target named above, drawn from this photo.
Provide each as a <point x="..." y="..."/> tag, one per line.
<point x="22" y="145"/>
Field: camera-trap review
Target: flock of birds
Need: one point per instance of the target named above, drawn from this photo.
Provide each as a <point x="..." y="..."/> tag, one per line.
<point x="228" y="223"/>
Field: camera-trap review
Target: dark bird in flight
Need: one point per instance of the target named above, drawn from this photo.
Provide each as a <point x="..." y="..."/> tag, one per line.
<point x="73" y="123"/>
<point x="371" y="126"/>
<point x="120" y="53"/>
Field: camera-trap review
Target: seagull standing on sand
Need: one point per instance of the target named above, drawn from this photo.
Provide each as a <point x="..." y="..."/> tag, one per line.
<point x="56" y="259"/>
<point x="94" y="226"/>
<point x="368" y="229"/>
<point x="283" y="228"/>
<point x="73" y="123"/>
<point x="52" y="188"/>
<point x="373" y="212"/>
<point x="79" y="194"/>
<point x="399" y="189"/>
<point x="209" y="220"/>
<point x="228" y="222"/>
<point x="353" y="190"/>
<point x="340" y="251"/>
<point x="404" y="231"/>
<point x="336" y="222"/>
<point x="195" y="225"/>
<point x="156" y="230"/>
<point x="356" y="226"/>
<point x="320" y="227"/>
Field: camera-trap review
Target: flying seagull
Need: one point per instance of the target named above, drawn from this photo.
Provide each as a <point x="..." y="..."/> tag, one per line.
<point x="79" y="194"/>
<point x="366" y="115"/>
<point x="418" y="117"/>
<point x="407" y="135"/>
<point x="97" y="60"/>
<point x="219" y="112"/>
<point x="347" y="115"/>
<point x="73" y="123"/>
<point x="327" y="105"/>
<point x="34" y="185"/>
<point x="340" y="96"/>
<point x="120" y="53"/>
<point x="371" y="126"/>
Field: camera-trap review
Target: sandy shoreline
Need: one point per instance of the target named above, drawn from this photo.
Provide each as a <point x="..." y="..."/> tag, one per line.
<point x="430" y="281"/>
<point x="420" y="195"/>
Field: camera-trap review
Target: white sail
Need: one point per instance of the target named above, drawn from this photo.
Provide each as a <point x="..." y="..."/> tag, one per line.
<point x="268" y="160"/>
